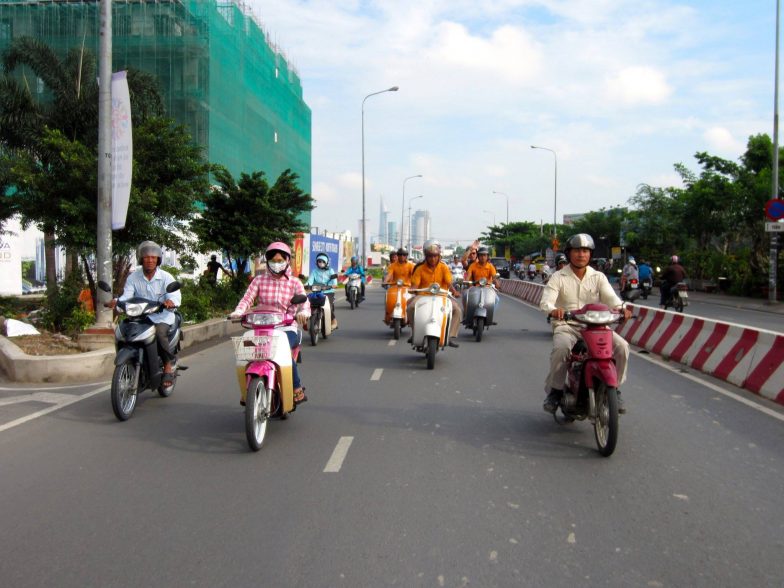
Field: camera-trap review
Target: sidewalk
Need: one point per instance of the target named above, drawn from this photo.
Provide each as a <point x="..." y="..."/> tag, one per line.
<point x="758" y="304"/>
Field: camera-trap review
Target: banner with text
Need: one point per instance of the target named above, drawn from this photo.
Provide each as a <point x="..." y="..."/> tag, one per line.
<point x="122" y="149"/>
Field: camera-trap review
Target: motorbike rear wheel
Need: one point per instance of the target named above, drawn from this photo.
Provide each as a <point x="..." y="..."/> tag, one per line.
<point x="677" y="303"/>
<point x="351" y="298"/>
<point x="258" y="403"/>
<point x="606" y="423"/>
<point x="123" y="392"/>
<point x="396" y="328"/>
<point x="430" y="352"/>
<point x="479" y="328"/>
<point x="314" y="326"/>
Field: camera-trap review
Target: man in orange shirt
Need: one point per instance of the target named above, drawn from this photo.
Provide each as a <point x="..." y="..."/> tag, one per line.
<point x="482" y="268"/>
<point x="431" y="271"/>
<point x="400" y="270"/>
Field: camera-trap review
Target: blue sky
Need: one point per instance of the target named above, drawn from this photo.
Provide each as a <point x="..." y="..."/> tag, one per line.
<point x="621" y="90"/>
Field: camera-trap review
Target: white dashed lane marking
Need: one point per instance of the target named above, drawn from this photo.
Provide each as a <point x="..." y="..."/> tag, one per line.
<point x="376" y="374"/>
<point x="338" y="455"/>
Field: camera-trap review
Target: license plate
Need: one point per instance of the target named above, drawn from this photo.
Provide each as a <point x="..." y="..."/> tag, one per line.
<point x="682" y="294"/>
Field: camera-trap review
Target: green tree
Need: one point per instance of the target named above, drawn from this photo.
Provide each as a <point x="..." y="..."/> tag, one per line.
<point x="241" y="217"/>
<point x="522" y="237"/>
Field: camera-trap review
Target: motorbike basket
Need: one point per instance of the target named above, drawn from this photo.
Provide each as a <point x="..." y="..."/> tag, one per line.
<point x="252" y="348"/>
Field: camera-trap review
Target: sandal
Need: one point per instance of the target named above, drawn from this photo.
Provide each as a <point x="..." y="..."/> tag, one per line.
<point x="168" y="379"/>
<point x="299" y="396"/>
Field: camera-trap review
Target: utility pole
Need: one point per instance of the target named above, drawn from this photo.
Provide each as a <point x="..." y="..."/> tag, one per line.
<point x="774" y="237"/>
<point x="103" y="250"/>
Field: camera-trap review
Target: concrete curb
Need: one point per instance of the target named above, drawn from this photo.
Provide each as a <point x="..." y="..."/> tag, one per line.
<point x="749" y="358"/>
<point x="92" y="365"/>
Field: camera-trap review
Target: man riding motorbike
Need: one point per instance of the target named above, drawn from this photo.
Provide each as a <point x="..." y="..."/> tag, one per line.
<point x="274" y="289"/>
<point x="400" y="270"/>
<point x="431" y="271"/>
<point x="469" y="256"/>
<point x="571" y="288"/>
<point x="673" y="274"/>
<point x="150" y="281"/>
<point x="392" y="260"/>
<point x="321" y="275"/>
<point x="646" y="277"/>
<point x="560" y="261"/>
<point x="355" y="268"/>
<point x="629" y="272"/>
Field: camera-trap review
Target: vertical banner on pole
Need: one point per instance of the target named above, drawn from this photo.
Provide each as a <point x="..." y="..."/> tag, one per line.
<point x="122" y="149"/>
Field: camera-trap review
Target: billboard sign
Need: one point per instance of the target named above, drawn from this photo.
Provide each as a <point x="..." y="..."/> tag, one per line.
<point x="321" y="244"/>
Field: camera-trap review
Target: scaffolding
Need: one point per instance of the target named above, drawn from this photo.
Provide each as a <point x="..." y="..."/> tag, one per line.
<point x="219" y="72"/>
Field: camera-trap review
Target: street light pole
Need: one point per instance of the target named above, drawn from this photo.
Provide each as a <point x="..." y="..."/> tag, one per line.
<point x="410" y="230"/>
<point x="774" y="238"/>
<point x="555" y="187"/>
<point x="364" y="220"/>
<point x="490" y="212"/>
<point x="507" y="208"/>
<point x="403" y="210"/>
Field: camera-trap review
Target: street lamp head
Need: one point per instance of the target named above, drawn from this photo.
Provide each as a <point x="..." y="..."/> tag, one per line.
<point x="393" y="89"/>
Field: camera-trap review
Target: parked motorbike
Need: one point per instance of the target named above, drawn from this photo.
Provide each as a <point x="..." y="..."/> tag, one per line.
<point x="432" y="317"/>
<point x="320" y="322"/>
<point x="397" y="296"/>
<point x="138" y="367"/>
<point x="481" y="300"/>
<point x="678" y="298"/>
<point x="264" y="369"/>
<point x="591" y="389"/>
<point x="631" y="290"/>
<point x="353" y="289"/>
<point x="646" y="285"/>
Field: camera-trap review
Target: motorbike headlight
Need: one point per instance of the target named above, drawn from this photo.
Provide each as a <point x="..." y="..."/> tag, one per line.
<point x="135" y="309"/>
<point x="316" y="288"/>
<point x="400" y="282"/>
<point x="264" y="318"/>
<point x="434" y="288"/>
<point x="597" y="317"/>
<point x="483" y="282"/>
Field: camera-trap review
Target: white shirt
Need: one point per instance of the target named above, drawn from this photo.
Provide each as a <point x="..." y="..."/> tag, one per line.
<point x="565" y="290"/>
<point x="154" y="289"/>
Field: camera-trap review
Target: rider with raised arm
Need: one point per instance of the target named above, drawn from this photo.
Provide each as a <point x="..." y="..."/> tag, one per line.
<point x="570" y="289"/>
<point x="150" y="281"/>
<point x="435" y="271"/>
<point x="273" y="290"/>
<point x="322" y="275"/>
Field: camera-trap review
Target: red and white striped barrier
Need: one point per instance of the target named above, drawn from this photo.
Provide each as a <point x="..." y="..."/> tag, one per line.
<point x="749" y="358"/>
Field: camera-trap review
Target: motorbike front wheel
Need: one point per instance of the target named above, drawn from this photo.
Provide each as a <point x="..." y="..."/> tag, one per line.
<point x="606" y="423"/>
<point x="430" y="352"/>
<point x="314" y="326"/>
<point x="258" y="403"/>
<point x="124" y="392"/>
<point x="396" y="328"/>
<point x="479" y="329"/>
<point x="351" y="298"/>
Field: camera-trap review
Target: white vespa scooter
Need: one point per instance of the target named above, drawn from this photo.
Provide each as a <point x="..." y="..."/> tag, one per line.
<point x="432" y="317"/>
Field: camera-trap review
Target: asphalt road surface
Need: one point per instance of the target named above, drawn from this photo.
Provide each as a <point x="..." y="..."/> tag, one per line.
<point x="395" y="475"/>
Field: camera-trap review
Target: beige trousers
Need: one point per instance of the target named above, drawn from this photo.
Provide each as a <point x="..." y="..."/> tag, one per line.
<point x="564" y="338"/>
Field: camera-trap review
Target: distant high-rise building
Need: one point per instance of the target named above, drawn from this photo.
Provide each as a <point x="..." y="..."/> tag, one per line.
<point x="383" y="221"/>
<point x="392" y="234"/>
<point x="420" y="227"/>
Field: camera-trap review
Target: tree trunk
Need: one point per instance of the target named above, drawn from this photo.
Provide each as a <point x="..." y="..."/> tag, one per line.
<point x="49" y="259"/>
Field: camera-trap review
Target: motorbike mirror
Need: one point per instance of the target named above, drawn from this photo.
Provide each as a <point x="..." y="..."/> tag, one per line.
<point x="298" y="299"/>
<point x="173" y="287"/>
<point x="104" y="286"/>
<point x="333" y="277"/>
<point x="302" y="277"/>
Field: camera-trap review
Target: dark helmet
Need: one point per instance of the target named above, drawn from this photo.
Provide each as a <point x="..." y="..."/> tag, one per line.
<point x="402" y="251"/>
<point x="579" y="241"/>
<point x="147" y="248"/>
<point x="483" y="251"/>
<point x="213" y="257"/>
<point x="560" y="258"/>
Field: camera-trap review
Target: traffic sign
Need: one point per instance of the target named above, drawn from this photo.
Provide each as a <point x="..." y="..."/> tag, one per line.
<point x="774" y="209"/>
<point x="774" y="227"/>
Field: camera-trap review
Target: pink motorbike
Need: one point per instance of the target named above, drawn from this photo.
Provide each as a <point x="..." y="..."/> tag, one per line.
<point x="591" y="389"/>
<point x="264" y="367"/>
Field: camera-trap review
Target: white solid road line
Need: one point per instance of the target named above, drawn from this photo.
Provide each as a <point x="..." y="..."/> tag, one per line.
<point x="678" y="368"/>
<point x="46" y="411"/>
<point x="391" y="343"/>
<point x="376" y="374"/>
<point x="338" y="455"/>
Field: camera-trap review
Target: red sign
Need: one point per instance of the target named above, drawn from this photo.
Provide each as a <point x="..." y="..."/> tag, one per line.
<point x="774" y="209"/>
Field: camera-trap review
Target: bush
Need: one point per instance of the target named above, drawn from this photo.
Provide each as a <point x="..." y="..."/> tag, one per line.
<point x="202" y="301"/>
<point x="60" y="304"/>
<point x="78" y="321"/>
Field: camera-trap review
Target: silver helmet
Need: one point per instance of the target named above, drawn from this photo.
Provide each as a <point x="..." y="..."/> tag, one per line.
<point x="579" y="241"/>
<point x="146" y="248"/>
<point x="431" y="246"/>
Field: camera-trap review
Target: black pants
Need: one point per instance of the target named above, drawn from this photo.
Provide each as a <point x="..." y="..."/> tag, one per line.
<point x="362" y="290"/>
<point x="161" y="335"/>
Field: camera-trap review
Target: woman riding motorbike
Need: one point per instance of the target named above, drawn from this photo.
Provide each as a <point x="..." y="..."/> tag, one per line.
<point x="274" y="289"/>
<point x="321" y="275"/>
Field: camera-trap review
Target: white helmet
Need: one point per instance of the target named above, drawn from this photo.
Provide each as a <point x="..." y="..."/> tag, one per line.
<point x="147" y="248"/>
<point x="431" y="246"/>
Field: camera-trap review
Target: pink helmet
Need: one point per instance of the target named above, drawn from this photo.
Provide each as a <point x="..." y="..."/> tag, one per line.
<point x="277" y="246"/>
<point x="674" y="259"/>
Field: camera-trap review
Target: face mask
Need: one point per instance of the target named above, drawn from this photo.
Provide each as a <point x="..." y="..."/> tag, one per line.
<point x="277" y="266"/>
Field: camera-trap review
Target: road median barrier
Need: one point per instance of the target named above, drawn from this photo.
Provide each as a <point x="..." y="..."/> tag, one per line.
<point x="91" y="365"/>
<point x="749" y="358"/>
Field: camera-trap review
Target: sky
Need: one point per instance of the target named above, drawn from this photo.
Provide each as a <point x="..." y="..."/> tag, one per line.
<point x="621" y="90"/>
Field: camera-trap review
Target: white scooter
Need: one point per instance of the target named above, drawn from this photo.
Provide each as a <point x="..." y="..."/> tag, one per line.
<point x="353" y="289"/>
<point x="320" y="322"/>
<point x="432" y="317"/>
<point x="397" y="297"/>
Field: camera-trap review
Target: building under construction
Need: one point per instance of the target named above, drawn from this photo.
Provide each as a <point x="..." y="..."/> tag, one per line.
<point x="219" y="72"/>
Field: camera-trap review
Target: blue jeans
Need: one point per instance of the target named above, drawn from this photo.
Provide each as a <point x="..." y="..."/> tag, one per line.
<point x="294" y="340"/>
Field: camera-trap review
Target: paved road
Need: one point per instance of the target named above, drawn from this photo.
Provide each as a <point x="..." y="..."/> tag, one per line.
<point x="453" y="477"/>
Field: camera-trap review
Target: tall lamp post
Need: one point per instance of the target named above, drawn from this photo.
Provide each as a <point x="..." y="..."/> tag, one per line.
<point x="774" y="238"/>
<point x="364" y="220"/>
<point x="507" y="208"/>
<point x="490" y="212"/>
<point x="555" y="185"/>
<point x="410" y="230"/>
<point x="403" y="210"/>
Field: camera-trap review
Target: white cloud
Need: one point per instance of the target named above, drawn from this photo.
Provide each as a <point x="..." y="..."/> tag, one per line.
<point x="722" y="140"/>
<point x="638" y="85"/>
